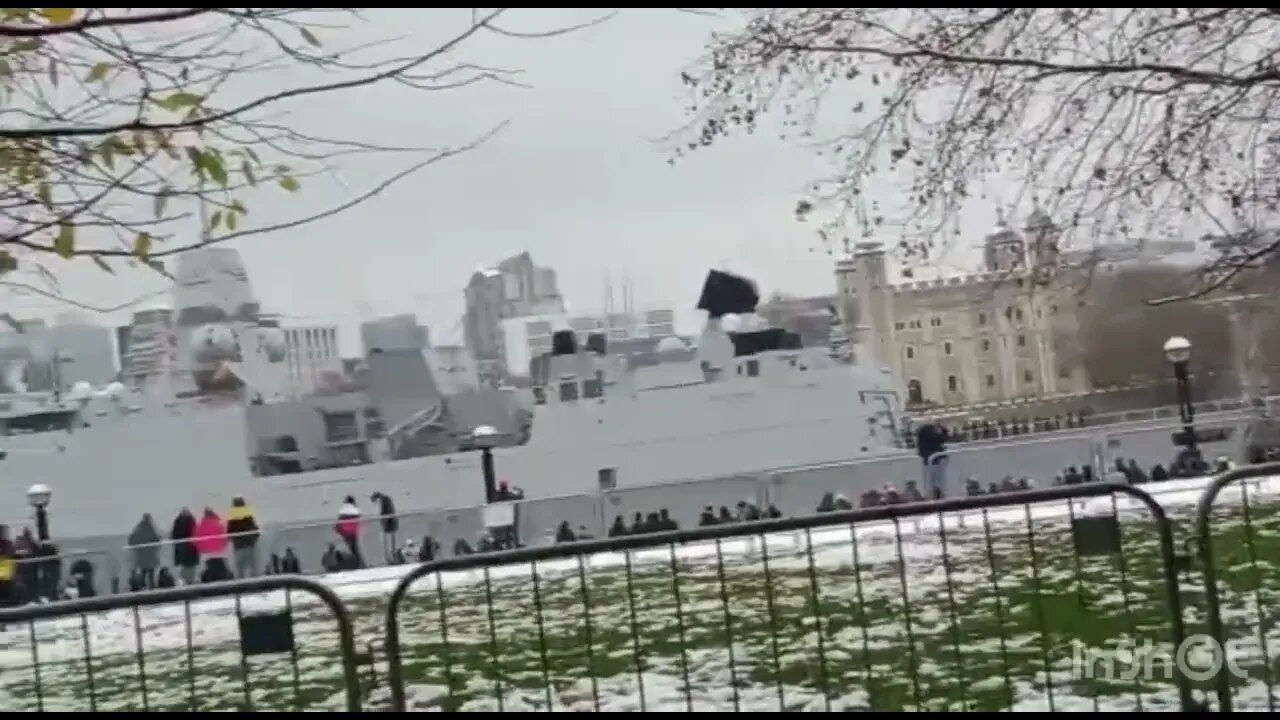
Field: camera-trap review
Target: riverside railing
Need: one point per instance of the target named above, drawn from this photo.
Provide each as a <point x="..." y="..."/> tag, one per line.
<point x="993" y="602"/>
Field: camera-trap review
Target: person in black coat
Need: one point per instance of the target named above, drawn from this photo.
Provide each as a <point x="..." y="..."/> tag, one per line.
<point x="390" y="524"/>
<point x="185" y="555"/>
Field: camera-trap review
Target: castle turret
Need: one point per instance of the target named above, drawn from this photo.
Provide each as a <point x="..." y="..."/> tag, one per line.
<point x="1003" y="248"/>
<point x="862" y="282"/>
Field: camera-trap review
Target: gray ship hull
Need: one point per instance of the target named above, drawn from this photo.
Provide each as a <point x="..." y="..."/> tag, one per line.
<point x="793" y="490"/>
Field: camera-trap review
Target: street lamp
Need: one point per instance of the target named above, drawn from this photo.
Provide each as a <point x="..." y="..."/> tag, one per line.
<point x="38" y="496"/>
<point x="485" y="437"/>
<point x="1177" y="350"/>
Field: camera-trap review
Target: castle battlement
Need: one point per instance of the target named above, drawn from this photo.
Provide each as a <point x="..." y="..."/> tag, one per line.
<point x="961" y="282"/>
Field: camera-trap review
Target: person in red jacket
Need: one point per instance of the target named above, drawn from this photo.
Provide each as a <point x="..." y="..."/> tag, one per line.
<point x="348" y="528"/>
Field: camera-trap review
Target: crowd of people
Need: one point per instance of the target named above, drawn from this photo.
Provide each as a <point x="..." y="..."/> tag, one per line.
<point x="973" y="430"/>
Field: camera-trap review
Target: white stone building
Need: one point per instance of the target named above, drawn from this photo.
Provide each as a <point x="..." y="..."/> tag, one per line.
<point x="1007" y="332"/>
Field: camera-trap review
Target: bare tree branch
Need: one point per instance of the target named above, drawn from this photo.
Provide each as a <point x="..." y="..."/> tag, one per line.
<point x="1121" y="123"/>
<point x="116" y="124"/>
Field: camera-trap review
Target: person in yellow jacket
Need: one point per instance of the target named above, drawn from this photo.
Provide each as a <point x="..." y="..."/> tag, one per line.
<point x="243" y="528"/>
<point x="8" y="568"/>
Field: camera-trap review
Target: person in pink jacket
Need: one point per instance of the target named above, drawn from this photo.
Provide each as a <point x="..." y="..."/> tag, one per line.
<point x="210" y="537"/>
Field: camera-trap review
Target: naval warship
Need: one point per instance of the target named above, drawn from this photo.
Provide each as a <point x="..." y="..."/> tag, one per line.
<point x="736" y="416"/>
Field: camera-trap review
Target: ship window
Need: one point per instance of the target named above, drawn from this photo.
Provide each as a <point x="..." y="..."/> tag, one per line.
<point x="607" y="478"/>
<point x="753" y="368"/>
<point x="952" y="383"/>
<point x="568" y="391"/>
<point x="286" y="444"/>
<point x="991" y="381"/>
<point x="539" y="396"/>
<point x="592" y="388"/>
<point x="374" y="428"/>
<point x="340" y="427"/>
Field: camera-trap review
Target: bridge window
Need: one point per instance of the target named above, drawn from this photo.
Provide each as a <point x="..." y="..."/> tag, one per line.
<point x="593" y="387"/>
<point x="568" y="391"/>
<point x="753" y="368"/>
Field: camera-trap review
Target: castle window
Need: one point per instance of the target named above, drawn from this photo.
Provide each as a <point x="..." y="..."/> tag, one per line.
<point x="915" y="393"/>
<point x="1064" y="373"/>
<point x="946" y="347"/>
<point x="1039" y="313"/>
<point x="911" y="352"/>
<point x="899" y="326"/>
<point x="982" y="318"/>
<point x="1053" y="309"/>
<point x="1027" y="376"/>
<point x="986" y="345"/>
<point x="952" y="383"/>
<point x="1018" y="313"/>
<point x="936" y="322"/>
<point x="991" y="380"/>
<point x="1022" y="341"/>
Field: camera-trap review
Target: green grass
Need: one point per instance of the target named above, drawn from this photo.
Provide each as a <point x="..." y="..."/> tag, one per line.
<point x="990" y="629"/>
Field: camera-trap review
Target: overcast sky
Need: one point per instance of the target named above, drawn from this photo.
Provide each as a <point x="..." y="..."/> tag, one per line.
<point x="576" y="179"/>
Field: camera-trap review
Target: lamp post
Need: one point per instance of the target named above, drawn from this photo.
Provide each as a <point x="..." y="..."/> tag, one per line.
<point x="1177" y="350"/>
<point x="38" y="496"/>
<point x="485" y="437"/>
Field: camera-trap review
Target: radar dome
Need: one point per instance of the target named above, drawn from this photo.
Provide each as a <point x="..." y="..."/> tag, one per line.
<point x="114" y="390"/>
<point x="273" y="343"/>
<point x="81" y="390"/>
<point x="210" y="343"/>
<point x="671" y="344"/>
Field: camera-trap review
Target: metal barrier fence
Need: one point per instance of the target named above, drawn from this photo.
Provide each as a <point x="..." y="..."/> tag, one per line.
<point x="984" y="603"/>
<point x="161" y="650"/>
<point x="1241" y="639"/>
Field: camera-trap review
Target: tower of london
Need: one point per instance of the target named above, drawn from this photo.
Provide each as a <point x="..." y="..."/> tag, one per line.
<point x="1007" y="332"/>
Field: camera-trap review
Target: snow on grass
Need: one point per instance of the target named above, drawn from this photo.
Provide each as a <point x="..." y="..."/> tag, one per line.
<point x="980" y="626"/>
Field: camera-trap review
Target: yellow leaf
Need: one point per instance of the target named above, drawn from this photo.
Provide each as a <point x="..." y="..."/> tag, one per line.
<point x="45" y="193"/>
<point x="215" y="220"/>
<point x="142" y="246"/>
<point x="8" y="262"/>
<point x="180" y="100"/>
<point x="58" y="15"/>
<point x="290" y="183"/>
<point x="140" y="141"/>
<point x="99" y="71"/>
<point x="97" y="260"/>
<point x="231" y="220"/>
<point x="247" y="169"/>
<point x="64" y="243"/>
